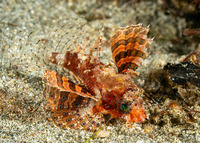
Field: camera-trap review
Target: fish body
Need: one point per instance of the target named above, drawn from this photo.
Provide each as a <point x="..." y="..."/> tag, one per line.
<point x="103" y="90"/>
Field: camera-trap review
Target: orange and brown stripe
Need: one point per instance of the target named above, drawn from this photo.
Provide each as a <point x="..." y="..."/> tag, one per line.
<point x="54" y="80"/>
<point x="130" y="46"/>
<point x="70" y="86"/>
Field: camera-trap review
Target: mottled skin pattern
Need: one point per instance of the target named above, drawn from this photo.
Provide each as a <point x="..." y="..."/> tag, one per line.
<point x="106" y="91"/>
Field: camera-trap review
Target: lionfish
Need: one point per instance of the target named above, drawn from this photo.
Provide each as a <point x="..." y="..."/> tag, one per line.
<point x="103" y="90"/>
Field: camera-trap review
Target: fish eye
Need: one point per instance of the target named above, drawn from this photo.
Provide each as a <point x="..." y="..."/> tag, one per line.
<point x="124" y="107"/>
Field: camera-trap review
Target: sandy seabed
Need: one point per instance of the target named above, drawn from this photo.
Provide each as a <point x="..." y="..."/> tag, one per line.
<point x="22" y="23"/>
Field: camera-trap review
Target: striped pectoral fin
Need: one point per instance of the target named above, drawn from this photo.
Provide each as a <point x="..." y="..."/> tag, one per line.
<point x="71" y="105"/>
<point x="52" y="79"/>
<point x="56" y="98"/>
<point x="70" y="110"/>
<point x="130" y="47"/>
<point x="129" y="62"/>
<point x="78" y="120"/>
<point x="72" y="87"/>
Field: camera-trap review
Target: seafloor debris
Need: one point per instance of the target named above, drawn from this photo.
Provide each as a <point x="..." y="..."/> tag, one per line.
<point x="186" y="71"/>
<point x="103" y="89"/>
<point x="185" y="77"/>
<point x="189" y="32"/>
<point x="194" y="57"/>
